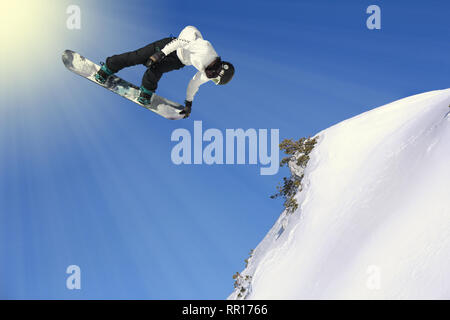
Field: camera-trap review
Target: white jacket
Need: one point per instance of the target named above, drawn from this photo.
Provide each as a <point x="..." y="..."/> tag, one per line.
<point x="193" y="50"/>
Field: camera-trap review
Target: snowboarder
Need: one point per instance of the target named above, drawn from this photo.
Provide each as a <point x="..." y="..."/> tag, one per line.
<point x="172" y="54"/>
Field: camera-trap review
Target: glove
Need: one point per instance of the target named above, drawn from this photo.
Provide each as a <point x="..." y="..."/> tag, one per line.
<point x="187" y="109"/>
<point x="155" y="58"/>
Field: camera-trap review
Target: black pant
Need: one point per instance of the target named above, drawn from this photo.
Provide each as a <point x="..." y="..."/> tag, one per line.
<point x="140" y="56"/>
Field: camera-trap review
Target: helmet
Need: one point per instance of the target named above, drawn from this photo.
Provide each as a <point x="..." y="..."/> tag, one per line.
<point x="226" y="73"/>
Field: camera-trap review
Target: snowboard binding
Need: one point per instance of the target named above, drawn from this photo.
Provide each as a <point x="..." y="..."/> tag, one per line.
<point x="145" y="96"/>
<point x="103" y="74"/>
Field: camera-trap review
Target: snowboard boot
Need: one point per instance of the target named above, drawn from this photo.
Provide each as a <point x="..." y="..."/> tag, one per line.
<point x="103" y="74"/>
<point x="145" y="96"/>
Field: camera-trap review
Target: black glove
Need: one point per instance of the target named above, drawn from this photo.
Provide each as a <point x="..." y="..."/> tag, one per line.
<point x="187" y="109"/>
<point x="155" y="58"/>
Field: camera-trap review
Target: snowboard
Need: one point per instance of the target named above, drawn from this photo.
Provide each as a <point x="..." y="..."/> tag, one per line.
<point x="87" y="69"/>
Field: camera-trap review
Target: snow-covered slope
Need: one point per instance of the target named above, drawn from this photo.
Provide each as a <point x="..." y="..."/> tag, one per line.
<point x="374" y="215"/>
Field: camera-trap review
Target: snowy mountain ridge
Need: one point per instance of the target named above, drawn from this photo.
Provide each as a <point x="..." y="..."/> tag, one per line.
<point x="373" y="220"/>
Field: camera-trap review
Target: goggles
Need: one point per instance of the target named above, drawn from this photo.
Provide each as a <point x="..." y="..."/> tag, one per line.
<point x="217" y="79"/>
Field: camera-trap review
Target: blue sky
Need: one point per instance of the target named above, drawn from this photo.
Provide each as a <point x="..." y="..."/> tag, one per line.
<point x="86" y="176"/>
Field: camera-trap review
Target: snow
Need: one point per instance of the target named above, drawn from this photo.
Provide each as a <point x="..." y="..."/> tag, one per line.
<point x="374" y="214"/>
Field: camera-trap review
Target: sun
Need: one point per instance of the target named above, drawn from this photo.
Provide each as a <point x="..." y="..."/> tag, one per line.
<point x="21" y="24"/>
<point x="28" y="32"/>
